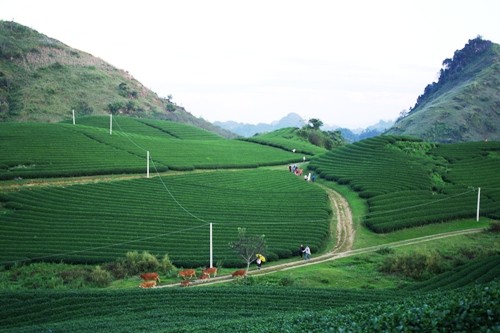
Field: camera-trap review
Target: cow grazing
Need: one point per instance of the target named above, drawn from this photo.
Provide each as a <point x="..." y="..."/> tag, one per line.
<point x="185" y="283"/>
<point x="241" y="272"/>
<point x="148" y="284"/>
<point x="211" y="270"/>
<point x="187" y="273"/>
<point x="150" y="277"/>
<point x="204" y="277"/>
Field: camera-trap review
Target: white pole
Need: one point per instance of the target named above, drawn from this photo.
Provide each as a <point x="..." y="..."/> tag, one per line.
<point x="73" y="116"/>
<point x="211" y="249"/>
<point x="147" y="166"/>
<point x="110" y="124"/>
<point x="478" y="201"/>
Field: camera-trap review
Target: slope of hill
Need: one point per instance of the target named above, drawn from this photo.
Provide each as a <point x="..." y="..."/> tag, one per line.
<point x="306" y="140"/>
<point x="43" y="80"/>
<point x="464" y="105"/>
<point x="408" y="182"/>
<point x="87" y="148"/>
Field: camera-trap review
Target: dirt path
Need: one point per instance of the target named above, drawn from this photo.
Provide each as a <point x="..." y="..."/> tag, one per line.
<point x="343" y="216"/>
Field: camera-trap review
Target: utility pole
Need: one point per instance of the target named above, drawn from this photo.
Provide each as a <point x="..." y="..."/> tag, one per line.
<point x="147" y="165"/>
<point x="211" y="248"/>
<point x="110" y="124"/>
<point x="73" y="116"/>
<point x="478" y="201"/>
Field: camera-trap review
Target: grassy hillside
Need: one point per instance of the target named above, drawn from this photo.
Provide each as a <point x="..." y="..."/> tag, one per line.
<point x="35" y="150"/>
<point x="408" y="182"/>
<point x="464" y="104"/>
<point x="304" y="140"/>
<point x="43" y="80"/>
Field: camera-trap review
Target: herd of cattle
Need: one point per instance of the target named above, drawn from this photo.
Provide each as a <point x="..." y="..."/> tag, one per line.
<point x="150" y="279"/>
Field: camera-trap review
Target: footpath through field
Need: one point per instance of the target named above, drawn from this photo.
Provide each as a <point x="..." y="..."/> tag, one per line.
<point x="345" y="233"/>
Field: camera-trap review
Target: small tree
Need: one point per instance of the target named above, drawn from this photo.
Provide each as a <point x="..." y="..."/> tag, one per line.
<point x="247" y="246"/>
<point x="315" y="123"/>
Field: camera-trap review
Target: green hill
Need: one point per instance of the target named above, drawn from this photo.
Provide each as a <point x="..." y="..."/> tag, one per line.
<point x="37" y="150"/>
<point x="464" y="105"/>
<point x="407" y="182"/>
<point x="43" y="80"/>
<point x="306" y="140"/>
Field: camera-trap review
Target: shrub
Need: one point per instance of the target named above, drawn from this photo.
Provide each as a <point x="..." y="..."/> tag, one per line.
<point x="385" y="250"/>
<point x="417" y="266"/>
<point x="286" y="281"/>
<point x="99" y="277"/>
<point x="494" y="227"/>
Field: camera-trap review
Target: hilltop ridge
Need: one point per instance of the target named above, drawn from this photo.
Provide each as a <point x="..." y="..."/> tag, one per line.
<point x="464" y="104"/>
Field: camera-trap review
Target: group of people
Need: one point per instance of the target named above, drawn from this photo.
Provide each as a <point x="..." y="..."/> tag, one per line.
<point x="305" y="252"/>
<point x="298" y="172"/>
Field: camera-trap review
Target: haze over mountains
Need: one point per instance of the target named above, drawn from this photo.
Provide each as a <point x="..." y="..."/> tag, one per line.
<point x="295" y="120"/>
<point x="43" y="80"/>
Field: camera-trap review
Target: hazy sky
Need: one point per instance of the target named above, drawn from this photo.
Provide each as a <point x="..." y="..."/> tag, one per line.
<point x="348" y="63"/>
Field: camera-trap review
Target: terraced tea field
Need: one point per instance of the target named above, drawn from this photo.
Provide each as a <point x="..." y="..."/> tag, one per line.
<point x="409" y="183"/>
<point x="168" y="214"/>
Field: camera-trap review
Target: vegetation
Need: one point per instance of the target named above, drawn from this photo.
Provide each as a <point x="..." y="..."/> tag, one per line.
<point x="309" y="140"/>
<point x="469" y="307"/>
<point x="104" y="208"/>
<point x="88" y="149"/>
<point x="42" y="79"/>
<point x="400" y="177"/>
<point x="98" y="222"/>
<point x="248" y="246"/>
<point x="463" y="104"/>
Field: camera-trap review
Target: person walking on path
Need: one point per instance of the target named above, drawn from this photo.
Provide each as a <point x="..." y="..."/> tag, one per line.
<point x="301" y="250"/>
<point x="259" y="263"/>
<point x="307" y="253"/>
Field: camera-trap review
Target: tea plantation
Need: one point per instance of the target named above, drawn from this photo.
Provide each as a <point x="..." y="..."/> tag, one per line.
<point x="170" y="214"/>
<point x="37" y="150"/>
<point x="408" y="183"/>
<point x="56" y="207"/>
<point x="463" y="306"/>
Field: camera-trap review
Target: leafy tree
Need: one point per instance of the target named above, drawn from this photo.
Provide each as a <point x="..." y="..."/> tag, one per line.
<point x="247" y="246"/>
<point x="315" y="123"/>
<point x="115" y="107"/>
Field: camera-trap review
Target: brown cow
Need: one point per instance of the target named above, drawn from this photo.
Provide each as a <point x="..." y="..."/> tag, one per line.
<point x="148" y="284"/>
<point x="241" y="272"/>
<point x="187" y="273"/>
<point x="211" y="270"/>
<point x="150" y="277"/>
<point x="185" y="283"/>
<point x="204" y="277"/>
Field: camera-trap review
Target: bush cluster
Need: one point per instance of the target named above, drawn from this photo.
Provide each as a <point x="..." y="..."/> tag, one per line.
<point x="136" y="263"/>
<point x="62" y="276"/>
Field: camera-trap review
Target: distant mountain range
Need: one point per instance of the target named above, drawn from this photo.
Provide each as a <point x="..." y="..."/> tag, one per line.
<point x="248" y="130"/>
<point x="295" y="120"/>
